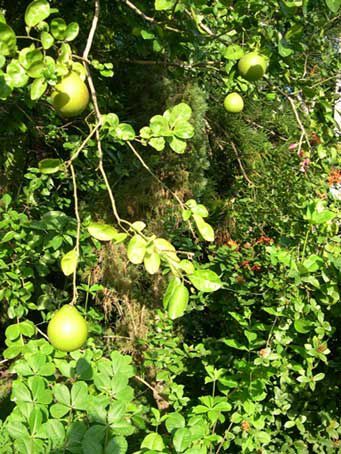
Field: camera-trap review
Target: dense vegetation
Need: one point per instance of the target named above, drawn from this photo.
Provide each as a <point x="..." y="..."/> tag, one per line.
<point x="198" y="238"/>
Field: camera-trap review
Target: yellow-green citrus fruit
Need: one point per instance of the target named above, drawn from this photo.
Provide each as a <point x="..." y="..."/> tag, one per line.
<point x="234" y="103"/>
<point x="67" y="330"/>
<point x="252" y="66"/>
<point x="71" y="96"/>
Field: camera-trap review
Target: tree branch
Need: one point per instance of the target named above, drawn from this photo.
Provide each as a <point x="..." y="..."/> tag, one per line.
<point x="148" y="18"/>
<point x="75" y="198"/>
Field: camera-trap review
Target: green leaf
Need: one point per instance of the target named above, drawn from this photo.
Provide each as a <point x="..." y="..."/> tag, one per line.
<point x="205" y="280"/>
<point x="158" y="143"/>
<point x="125" y="132"/>
<point x="27" y="328"/>
<point x="166" y="250"/>
<point x="58" y="28"/>
<point x="54" y="430"/>
<point x="179" y="113"/>
<point x="69" y="262"/>
<point x="16" y="76"/>
<point x="36" y="12"/>
<point x="233" y="52"/>
<point x="183" y="130"/>
<point x="152" y="262"/>
<point x="174" y="421"/>
<point x="62" y="394"/>
<point x="20" y="392"/>
<point x="313" y="263"/>
<point x="49" y="166"/>
<point x="102" y="232"/>
<point x="47" y="40"/>
<point x="38" y="88"/>
<point x="322" y="217"/>
<point x="117" y="445"/>
<point x="234" y="344"/>
<point x="303" y="326"/>
<point x="59" y="410"/>
<point x="178" y="302"/>
<point x="177" y="145"/>
<point x="79" y="395"/>
<point x="13" y="332"/>
<point x="174" y="282"/>
<point x="159" y="125"/>
<point x="136" y="249"/>
<point x="153" y="441"/>
<point x="164" y="5"/>
<point x="8" y="40"/>
<point x="205" y="230"/>
<point x="334" y="5"/>
<point x="284" y="49"/>
<point x="71" y="31"/>
<point x="182" y="439"/>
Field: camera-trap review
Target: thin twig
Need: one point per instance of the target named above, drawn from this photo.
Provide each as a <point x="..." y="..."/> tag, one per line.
<point x="83" y="145"/>
<point x="156" y="395"/>
<point x="75" y="198"/>
<point x="240" y="163"/>
<point x="98" y="112"/>
<point x="148" y="18"/>
<point x="42" y="333"/>
<point x="304" y="132"/>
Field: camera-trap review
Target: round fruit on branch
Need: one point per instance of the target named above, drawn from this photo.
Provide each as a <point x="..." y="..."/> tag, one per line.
<point x="234" y="103"/>
<point x="70" y="96"/>
<point x="252" y="66"/>
<point x="67" y="330"/>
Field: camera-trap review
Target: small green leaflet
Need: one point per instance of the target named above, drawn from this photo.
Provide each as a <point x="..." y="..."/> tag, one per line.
<point x="49" y="166"/>
<point x="136" y="249"/>
<point x="69" y="262"/>
<point x="176" y="298"/>
<point x="333" y="5"/>
<point x="205" y="230"/>
<point x="102" y="232"/>
<point x="153" y="441"/>
<point x="205" y="280"/>
<point x="36" y="12"/>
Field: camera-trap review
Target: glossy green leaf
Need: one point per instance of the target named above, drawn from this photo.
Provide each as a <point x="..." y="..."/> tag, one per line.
<point x="205" y="230"/>
<point x="58" y="28"/>
<point x="49" y="166"/>
<point x="177" y="145"/>
<point x="16" y="76"/>
<point x="163" y="5"/>
<point x="136" y="249"/>
<point x="102" y="232"/>
<point x="47" y="40"/>
<point x="178" y="302"/>
<point x="37" y="89"/>
<point x="182" y="439"/>
<point x="153" y="441"/>
<point x="125" y="132"/>
<point x="333" y="5"/>
<point x="8" y="40"/>
<point x="152" y="262"/>
<point x="233" y="52"/>
<point x="36" y="12"/>
<point x="205" y="280"/>
<point x="71" y="32"/>
<point x="69" y="262"/>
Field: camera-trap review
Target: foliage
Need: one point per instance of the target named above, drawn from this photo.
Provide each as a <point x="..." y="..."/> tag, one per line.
<point x="201" y="246"/>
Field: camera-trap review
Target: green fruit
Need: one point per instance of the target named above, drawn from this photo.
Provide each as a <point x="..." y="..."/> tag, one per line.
<point x="234" y="103"/>
<point x="252" y="66"/>
<point x="71" y="96"/>
<point x="67" y="330"/>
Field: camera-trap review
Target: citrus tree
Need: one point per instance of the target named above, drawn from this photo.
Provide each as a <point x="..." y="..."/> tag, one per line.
<point x="169" y="253"/>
